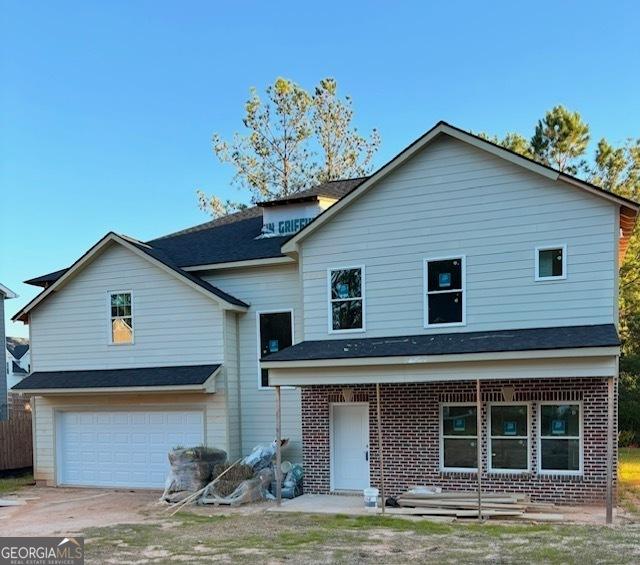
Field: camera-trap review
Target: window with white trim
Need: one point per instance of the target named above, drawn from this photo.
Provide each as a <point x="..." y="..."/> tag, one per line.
<point x="121" y="325"/>
<point x="275" y="332"/>
<point x="346" y="299"/>
<point x="551" y="262"/>
<point x="560" y="438"/>
<point x="509" y="437"/>
<point x="445" y="291"/>
<point x="459" y="437"/>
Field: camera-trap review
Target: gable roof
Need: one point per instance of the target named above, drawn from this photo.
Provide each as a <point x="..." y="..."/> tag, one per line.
<point x="235" y="237"/>
<point x="155" y="256"/>
<point x="628" y="208"/>
<point x="6" y="293"/>
<point x="17" y="346"/>
<point x="230" y="239"/>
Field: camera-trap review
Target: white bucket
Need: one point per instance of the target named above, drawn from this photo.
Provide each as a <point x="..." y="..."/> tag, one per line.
<point x="371" y="498"/>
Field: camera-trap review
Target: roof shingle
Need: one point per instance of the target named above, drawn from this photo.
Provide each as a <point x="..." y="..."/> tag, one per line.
<point x="568" y="337"/>
<point x="110" y="378"/>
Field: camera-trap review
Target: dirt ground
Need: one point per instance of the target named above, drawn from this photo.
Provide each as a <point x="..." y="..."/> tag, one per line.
<point x="52" y="511"/>
<point x="122" y="526"/>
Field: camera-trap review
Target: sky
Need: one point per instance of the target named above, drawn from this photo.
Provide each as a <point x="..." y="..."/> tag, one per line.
<point x="107" y="109"/>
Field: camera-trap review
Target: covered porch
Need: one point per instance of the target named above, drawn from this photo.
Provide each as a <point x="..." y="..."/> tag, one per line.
<point x="534" y="421"/>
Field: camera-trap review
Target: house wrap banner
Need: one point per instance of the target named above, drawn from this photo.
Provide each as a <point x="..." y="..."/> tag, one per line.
<point x="41" y="551"/>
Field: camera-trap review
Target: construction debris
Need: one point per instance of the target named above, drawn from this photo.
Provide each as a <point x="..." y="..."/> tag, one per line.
<point x="191" y="469"/>
<point x="246" y="480"/>
<point x="424" y="502"/>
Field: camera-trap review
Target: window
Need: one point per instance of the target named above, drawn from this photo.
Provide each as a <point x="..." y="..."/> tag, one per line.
<point x="346" y="299"/>
<point x="551" y="262"/>
<point x="275" y="332"/>
<point x="459" y="437"/>
<point x="445" y="280"/>
<point x="121" y="329"/>
<point x="560" y="438"/>
<point x="509" y="437"/>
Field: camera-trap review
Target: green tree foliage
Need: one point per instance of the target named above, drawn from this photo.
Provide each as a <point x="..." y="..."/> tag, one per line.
<point x="285" y="132"/>
<point x="561" y="141"/>
<point x="560" y="138"/>
<point x="345" y="153"/>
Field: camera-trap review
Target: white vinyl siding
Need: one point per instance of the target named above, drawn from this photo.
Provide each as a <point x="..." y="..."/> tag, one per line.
<point x="452" y="200"/>
<point x="265" y="289"/>
<point x="174" y="324"/>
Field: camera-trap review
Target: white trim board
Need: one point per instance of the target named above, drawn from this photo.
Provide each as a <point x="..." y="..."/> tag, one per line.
<point x="291" y="246"/>
<point x="547" y="472"/>
<point x="240" y="264"/>
<point x="362" y="298"/>
<point x="588" y="367"/>
<point x="258" y="338"/>
<point x="452" y="358"/>
<point x="8" y="293"/>
<point x="89" y="256"/>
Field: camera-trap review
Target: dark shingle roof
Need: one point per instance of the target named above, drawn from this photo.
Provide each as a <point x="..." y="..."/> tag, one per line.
<point x="452" y="343"/>
<point x="233" y="238"/>
<point x="107" y="378"/>
<point x="44" y="280"/>
<point x="17" y="346"/>
<point x="228" y="239"/>
<point x="159" y="255"/>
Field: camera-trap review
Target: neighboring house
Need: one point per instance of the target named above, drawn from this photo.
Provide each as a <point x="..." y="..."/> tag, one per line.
<point x="455" y="267"/>
<point x="18" y="360"/>
<point x="5" y="294"/>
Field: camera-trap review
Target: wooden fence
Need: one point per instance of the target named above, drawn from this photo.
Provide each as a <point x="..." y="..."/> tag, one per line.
<point x="16" y="441"/>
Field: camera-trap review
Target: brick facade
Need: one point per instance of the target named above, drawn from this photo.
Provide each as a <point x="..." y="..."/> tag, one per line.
<point x="410" y="423"/>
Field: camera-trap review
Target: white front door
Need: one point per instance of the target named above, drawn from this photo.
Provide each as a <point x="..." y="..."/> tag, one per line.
<point x="123" y="448"/>
<point x="350" y="446"/>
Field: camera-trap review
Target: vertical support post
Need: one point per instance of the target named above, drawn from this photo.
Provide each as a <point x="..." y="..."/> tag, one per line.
<point x="610" y="438"/>
<point x="278" y="449"/>
<point x="379" y="421"/>
<point x="479" y="445"/>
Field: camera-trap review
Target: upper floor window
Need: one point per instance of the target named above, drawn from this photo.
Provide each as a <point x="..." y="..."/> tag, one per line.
<point x="346" y="299"/>
<point x="551" y="262"/>
<point x="275" y="332"/>
<point x="121" y="318"/>
<point x="445" y="281"/>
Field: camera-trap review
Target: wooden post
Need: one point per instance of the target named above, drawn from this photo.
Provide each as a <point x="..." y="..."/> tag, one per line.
<point x="610" y="438"/>
<point x="379" y="420"/>
<point x="278" y="449"/>
<point x="479" y="446"/>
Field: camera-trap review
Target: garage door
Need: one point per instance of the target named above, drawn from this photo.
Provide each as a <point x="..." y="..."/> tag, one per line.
<point x="123" y="449"/>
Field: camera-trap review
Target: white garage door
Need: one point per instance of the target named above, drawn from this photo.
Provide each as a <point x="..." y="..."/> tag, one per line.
<point x="123" y="449"/>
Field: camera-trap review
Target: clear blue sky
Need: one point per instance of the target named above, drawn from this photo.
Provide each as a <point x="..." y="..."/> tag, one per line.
<point x="107" y="108"/>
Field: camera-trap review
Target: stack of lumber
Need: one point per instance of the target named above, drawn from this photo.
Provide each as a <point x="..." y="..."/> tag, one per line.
<point x="465" y="505"/>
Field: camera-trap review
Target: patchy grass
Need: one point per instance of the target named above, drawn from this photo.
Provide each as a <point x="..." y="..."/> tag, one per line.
<point x="303" y="538"/>
<point x="14" y="483"/>
<point x="629" y="479"/>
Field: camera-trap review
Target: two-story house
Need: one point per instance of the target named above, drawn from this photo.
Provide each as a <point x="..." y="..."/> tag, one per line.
<point x="467" y="293"/>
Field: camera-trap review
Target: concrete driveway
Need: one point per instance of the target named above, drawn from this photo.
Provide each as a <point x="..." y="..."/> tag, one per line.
<point x="52" y="511"/>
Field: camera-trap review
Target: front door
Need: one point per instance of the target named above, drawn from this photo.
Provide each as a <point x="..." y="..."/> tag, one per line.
<point x="350" y="446"/>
